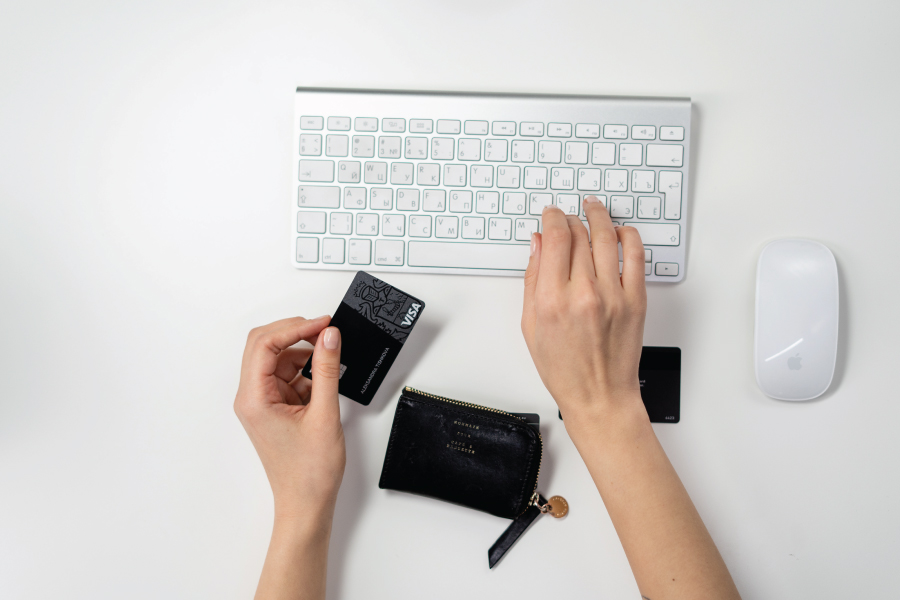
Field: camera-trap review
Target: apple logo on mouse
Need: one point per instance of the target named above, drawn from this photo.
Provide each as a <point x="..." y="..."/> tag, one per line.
<point x="794" y="363"/>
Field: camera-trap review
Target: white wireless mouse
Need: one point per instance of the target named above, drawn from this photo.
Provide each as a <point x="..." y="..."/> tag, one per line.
<point x="796" y="319"/>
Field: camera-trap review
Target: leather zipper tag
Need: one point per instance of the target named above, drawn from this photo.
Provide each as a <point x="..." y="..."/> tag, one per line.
<point x="514" y="532"/>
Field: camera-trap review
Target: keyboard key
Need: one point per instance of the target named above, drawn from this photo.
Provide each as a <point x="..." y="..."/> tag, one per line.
<point x="366" y="224"/>
<point x="643" y="132"/>
<point x="448" y="126"/>
<point x="354" y="198"/>
<point x="310" y="144"/>
<point x="549" y="152"/>
<point x="337" y="145"/>
<point x="577" y="153"/>
<point x="389" y="252"/>
<point x="476" y="127"/>
<point x="392" y="225"/>
<point x="587" y="130"/>
<point x="365" y="124"/>
<point x="364" y="146"/>
<point x="307" y="250"/>
<point x="615" y="132"/>
<point x="648" y="254"/>
<point x="454" y="175"/>
<point x="316" y="170"/>
<point x="568" y="203"/>
<point x="670" y="185"/>
<point x="499" y="228"/>
<point x="643" y="181"/>
<point x="376" y="172"/>
<point x="616" y="180"/>
<point x="312" y="122"/>
<point x="631" y="155"/>
<point x="621" y="207"/>
<point x="473" y="228"/>
<point x="503" y="128"/>
<point x="461" y="202"/>
<point x="495" y="150"/>
<point x="658" y="234"/>
<point x="339" y="123"/>
<point x="469" y="149"/>
<point x="341" y="223"/>
<point x="416" y="147"/>
<point x="647" y="269"/>
<point x="538" y="202"/>
<point x="648" y="207"/>
<point x="442" y="149"/>
<point x="420" y="125"/>
<point x="514" y="203"/>
<point x="671" y="134"/>
<point x="589" y="180"/>
<point x="461" y="255"/>
<point x="665" y="155"/>
<point x="402" y="173"/>
<point x="524" y="229"/>
<point x="360" y="252"/>
<point x="333" y="251"/>
<point x="603" y="153"/>
<point x="310" y="222"/>
<point x="313" y="196"/>
<point x="536" y="178"/>
<point x="667" y="269"/>
<point x="559" y="130"/>
<point x="349" y="171"/>
<point x="482" y="176"/>
<point x="429" y="174"/>
<point x="434" y="200"/>
<point x="393" y="125"/>
<point x="420" y="226"/>
<point x="408" y="199"/>
<point x="382" y="199"/>
<point x="445" y="227"/>
<point x="508" y="177"/>
<point x="562" y="178"/>
<point x="389" y="146"/>
<point x="523" y="151"/>
<point x="487" y="202"/>
<point x="531" y="130"/>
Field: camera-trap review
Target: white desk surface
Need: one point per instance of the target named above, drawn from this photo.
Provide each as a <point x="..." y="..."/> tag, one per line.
<point x="144" y="208"/>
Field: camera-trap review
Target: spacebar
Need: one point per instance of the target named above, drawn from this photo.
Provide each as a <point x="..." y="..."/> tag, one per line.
<point x="463" y="255"/>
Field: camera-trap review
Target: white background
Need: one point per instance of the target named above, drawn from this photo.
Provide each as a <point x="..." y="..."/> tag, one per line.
<point x="144" y="229"/>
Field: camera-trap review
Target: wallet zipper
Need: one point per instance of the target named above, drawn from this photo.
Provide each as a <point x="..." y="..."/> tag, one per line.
<point x="534" y="492"/>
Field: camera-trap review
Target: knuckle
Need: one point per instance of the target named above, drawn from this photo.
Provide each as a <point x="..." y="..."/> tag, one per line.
<point x="556" y="236"/>
<point x="328" y="370"/>
<point x="606" y="236"/>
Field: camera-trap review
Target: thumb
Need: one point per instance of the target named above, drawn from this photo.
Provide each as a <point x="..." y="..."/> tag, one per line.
<point x="326" y="372"/>
<point x="531" y="276"/>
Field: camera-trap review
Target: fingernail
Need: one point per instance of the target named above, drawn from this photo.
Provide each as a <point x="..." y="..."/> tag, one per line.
<point x="533" y="243"/>
<point x="548" y="207"/>
<point x="591" y="199"/>
<point x="332" y="337"/>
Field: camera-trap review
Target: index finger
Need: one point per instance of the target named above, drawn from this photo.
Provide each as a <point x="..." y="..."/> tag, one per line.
<point x="556" y="249"/>
<point x="264" y="344"/>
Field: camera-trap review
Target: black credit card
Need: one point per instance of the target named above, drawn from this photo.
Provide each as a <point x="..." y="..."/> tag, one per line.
<point x="374" y="319"/>
<point x="660" y="376"/>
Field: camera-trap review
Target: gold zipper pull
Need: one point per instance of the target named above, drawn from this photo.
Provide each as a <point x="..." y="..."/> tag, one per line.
<point x="557" y="506"/>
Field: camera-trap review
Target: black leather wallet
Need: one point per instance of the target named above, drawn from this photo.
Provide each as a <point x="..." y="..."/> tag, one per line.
<point x="479" y="457"/>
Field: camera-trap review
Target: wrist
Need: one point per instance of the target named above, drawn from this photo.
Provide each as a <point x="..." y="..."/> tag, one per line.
<point x="606" y="418"/>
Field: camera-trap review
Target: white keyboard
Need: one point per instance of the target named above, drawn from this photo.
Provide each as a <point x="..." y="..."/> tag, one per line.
<point x="455" y="183"/>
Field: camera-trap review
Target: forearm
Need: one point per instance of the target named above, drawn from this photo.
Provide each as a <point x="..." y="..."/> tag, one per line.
<point x="670" y="551"/>
<point x="297" y="561"/>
